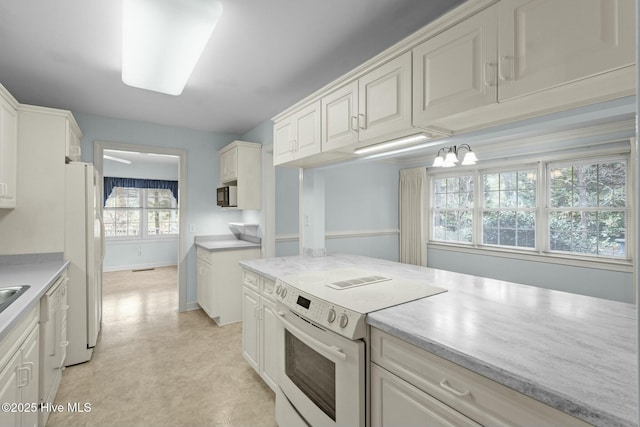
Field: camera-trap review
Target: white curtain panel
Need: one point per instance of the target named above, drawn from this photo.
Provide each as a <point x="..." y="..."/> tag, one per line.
<point x="413" y="193"/>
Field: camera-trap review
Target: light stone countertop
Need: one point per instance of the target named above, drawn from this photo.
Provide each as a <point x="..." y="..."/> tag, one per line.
<point x="37" y="271"/>
<point x="572" y="352"/>
<point x="223" y="243"/>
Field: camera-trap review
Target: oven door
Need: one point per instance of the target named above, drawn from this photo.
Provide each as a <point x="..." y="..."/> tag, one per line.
<point x="321" y="374"/>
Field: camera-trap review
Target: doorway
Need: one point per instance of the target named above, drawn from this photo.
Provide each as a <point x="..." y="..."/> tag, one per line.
<point x="158" y="152"/>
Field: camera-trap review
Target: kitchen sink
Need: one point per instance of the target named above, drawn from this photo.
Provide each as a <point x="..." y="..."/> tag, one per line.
<point x="8" y="294"/>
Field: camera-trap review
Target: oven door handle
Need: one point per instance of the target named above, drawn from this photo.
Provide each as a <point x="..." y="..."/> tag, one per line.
<point x="331" y="349"/>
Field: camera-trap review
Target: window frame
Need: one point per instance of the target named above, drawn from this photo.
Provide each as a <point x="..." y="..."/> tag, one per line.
<point x="627" y="208"/>
<point x="541" y="251"/>
<point x="482" y="208"/>
<point x="143" y="210"/>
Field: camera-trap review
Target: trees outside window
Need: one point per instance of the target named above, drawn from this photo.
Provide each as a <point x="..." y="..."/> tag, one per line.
<point x="587" y="208"/>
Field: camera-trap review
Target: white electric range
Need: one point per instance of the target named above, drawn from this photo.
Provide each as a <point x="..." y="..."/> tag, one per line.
<point x="321" y="379"/>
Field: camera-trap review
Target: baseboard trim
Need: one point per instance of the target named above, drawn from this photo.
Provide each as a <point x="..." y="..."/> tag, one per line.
<point x="193" y="305"/>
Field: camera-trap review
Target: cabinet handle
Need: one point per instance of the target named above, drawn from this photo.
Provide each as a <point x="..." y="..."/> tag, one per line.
<point x="3" y="189"/>
<point x="64" y="307"/>
<point x="26" y="379"/>
<point x="64" y="344"/>
<point x="295" y="145"/>
<point x="445" y="385"/>
<point x="354" y="127"/>
<point x="29" y="366"/>
<point x="486" y="82"/>
<point x="501" y="66"/>
<point x="359" y="121"/>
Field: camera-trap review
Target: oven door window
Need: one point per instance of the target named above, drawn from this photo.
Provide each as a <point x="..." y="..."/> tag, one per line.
<point x="312" y="373"/>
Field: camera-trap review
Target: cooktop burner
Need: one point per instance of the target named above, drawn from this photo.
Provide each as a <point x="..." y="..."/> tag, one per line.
<point x="340" y="299"/>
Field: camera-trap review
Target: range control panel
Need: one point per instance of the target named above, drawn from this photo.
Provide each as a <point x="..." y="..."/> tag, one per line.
<point x="347" y="323"/>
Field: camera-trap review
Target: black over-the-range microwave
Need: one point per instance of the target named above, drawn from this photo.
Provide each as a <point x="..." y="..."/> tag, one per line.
<point x="228" y="196"/>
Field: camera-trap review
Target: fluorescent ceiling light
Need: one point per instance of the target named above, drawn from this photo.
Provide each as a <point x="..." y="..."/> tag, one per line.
<point x="404" y="150"/>
<point x="391" y="144"/>
<point x="117" y="159"/>
<point x="162" y="41"/>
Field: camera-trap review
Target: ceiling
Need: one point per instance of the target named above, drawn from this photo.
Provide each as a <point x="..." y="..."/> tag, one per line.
<point x="263" y="57"/>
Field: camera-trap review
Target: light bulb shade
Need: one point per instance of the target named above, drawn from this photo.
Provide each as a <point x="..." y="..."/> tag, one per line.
<point x="469" y="159"/>
<point x="451" y="158"/>
<point x="162" y="41"/>
<point x="438" y="162"/>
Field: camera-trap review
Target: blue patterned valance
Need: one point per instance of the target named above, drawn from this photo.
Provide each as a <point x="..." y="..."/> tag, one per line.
<point x="111" y="182"/>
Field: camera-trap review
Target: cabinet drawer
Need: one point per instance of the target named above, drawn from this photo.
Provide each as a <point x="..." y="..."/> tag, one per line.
<point x="395" y="402"/>
<point x="204" y="255"/>
<point x="268" y="288"/>
<point x="475" y="396"/>
<point x="250" y="279"/>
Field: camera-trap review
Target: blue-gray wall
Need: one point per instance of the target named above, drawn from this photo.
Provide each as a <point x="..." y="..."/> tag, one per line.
<point x="202" y="171"/>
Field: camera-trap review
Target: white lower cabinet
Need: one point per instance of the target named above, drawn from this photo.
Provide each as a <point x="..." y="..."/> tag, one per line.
<point x="219" y="274"/>
<point x="259" y="326"/>
<point x="53" y="342"/>
<point x="411" y="386"/>
<point x="395" y="402"/>
<point x="19" y="373"/>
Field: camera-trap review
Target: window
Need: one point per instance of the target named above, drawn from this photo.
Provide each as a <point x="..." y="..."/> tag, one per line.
<point x="140" y="213"/>
<point x="453" y="209"/>
<point x="587" y="208"/>
<point x="509" y="210"/>
<point x="572" y="207"/>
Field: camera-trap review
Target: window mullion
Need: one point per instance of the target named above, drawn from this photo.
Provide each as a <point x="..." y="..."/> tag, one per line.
<point x="478" y="204"/>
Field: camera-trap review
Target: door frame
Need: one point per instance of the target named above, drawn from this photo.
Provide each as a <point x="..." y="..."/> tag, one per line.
<point x="98" y="153"/>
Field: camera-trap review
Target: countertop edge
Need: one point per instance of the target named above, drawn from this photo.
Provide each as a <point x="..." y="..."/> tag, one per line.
<point x="21" y="308"/>
<point x="508" y="379"/>
<point x="249" y="245"/>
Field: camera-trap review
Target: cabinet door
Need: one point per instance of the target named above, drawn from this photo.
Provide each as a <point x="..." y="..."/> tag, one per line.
<point x="306" y="125"/>
<point x="546" y="43"/>
<point x="9" y="391"/>
<point x="29" y="392"/>
<point x="204" y="289"/>
<point x="384" y="104"/>
<point x="456" y="71"/>
<point x="229" y="165"/>
<point x="8" y="154"/>
<point x="250" y="327"/>
<point x="395" y="402"/>
<point x="72" y="143"/>
<point x="340" y="117"/>
<point x="283" y="141"/>
<point x="268" y="346"/>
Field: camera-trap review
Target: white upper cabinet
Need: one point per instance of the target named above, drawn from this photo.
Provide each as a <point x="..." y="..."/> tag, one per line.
<point x="241" y="165"/>
<point x="229" y="165"/>
<point x="384" y="101"/>
<point x="456" y="70"/>
<point x="298" y="135"/>
<point x="485" y="63"/>
<point x="546" y="43"/>
<point x="521" y="58"/>
<point x="8" y="149"/>
<point x="73" y="137"/>
<point x="376" y="105"/>
<point x="340" y="117"/>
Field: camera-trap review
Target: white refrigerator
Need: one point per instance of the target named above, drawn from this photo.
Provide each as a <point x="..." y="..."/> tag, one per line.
<point x="84" y="249"/>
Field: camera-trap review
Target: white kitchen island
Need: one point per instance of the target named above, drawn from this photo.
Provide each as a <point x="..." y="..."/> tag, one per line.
<point x="570" y="352"/>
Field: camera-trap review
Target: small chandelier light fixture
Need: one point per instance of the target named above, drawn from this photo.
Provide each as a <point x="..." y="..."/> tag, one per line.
<point x="448" y="157"/>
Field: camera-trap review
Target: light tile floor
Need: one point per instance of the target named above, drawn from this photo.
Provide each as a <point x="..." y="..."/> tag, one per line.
<point x="154" y="366"/>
